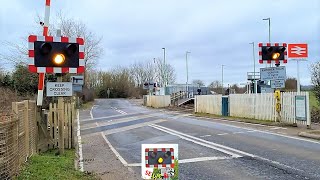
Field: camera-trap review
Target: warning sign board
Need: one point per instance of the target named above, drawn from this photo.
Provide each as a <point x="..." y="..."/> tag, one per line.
<point x="59" y="89"/>
<point x="273" y="73"/>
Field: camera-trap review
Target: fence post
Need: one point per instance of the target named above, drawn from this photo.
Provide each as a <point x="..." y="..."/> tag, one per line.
<point x="26" y="127"/>
<point x="61" y="124"/>
<point x="65" y="128"/>
<point x="73" y="117"/>
<point x="308" y="111"/>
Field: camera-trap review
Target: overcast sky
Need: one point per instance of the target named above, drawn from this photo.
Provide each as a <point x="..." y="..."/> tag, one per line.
<point x="216" y="32"/>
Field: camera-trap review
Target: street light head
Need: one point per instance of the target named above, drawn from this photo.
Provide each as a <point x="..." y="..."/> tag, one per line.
<point x="163" y="48"/>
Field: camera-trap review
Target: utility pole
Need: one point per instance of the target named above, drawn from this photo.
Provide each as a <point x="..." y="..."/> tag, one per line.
<point x="298" y="77"/>
<point x="163" y="68"/>
<point x="222" y="79"/>
<point x="187" y="87"/>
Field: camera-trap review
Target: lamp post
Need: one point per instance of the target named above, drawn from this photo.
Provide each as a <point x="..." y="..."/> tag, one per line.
<point x="255" y="87"/>
<point x="163" y="67"/>
<point x="269" y="22"/>
<point x="222" y="79"/>
<point x="187" y="87"/>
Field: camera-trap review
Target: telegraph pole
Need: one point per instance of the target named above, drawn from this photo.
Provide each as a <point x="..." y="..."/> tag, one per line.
<point x="222" y="89"/>
<point x="187" y="87"/>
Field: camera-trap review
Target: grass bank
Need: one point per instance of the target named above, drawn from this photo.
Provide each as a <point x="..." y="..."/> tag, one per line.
<point x="50" y="166"/>
<point x="313" y="100"/>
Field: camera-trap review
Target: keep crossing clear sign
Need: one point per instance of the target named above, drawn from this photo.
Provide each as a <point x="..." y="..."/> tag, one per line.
<point x="59" y="89"/>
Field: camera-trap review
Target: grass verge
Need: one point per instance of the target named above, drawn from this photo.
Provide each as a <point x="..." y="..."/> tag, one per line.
<point x="313" y="100"/>
<point x="247" y="120"/>
<point x="50" y="166"/>
<point x="316" y="132"/>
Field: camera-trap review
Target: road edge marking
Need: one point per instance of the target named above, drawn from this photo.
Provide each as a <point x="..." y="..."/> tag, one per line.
<point x="79" y="142"/>
<point x="124" y="162"/>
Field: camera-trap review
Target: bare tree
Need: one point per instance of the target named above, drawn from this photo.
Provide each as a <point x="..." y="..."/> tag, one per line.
<point x="74" y="28"/>
<point x="164" y="73"/>
<point x="216" y="86"/>
<point x="142" y="72"/>
<point x="198" y="82"/>
<point x="17" y="53"/>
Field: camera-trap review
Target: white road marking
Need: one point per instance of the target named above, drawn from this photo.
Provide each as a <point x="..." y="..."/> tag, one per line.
<point x="112" y="148"/>
<point x="127" y="119"/>
<point x="204" y="159"/>
<point x="276" y="134"/>
<point x="79" y="142"/>
<point x="191" y="160"/>
<point x="241" y="132"/>
<point x="208" y="135"/>
<point x="121" y="112"/>
<point x="251" y="131"/>
<point x="222" y="134"/>
<point x="134" y="165"/>
<point x="180" y="134"/>
<point x="196" y="140"/>
<point x="124" y="162"/>
<point x="91" y="112"/>
<point x="127" y="128"/>
<point x="275" y="128"/>
<point x="118" y="115"/>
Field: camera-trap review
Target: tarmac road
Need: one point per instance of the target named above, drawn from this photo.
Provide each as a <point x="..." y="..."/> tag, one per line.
<point x="114" y="129"/>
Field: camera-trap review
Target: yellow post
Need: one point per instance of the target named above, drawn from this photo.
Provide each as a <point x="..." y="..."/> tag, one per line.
<point x="277" y="95"/>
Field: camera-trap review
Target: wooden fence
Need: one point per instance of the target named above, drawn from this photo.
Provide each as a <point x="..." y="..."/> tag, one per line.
<point x="211" y="104"/>
<point x="255" y="106"/>
<point x="26" y="132"/>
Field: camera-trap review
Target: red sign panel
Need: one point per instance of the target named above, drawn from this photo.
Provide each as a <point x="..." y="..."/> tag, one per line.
<point x="297" y="50"/>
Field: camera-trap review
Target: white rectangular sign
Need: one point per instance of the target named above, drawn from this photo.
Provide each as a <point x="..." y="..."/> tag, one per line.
<point x="59" y="89"/>
<point x="278" y="83"/>
<point x="273" y="73"/>
<point x="301" y="109"/>
<point x="78" y="80"/>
